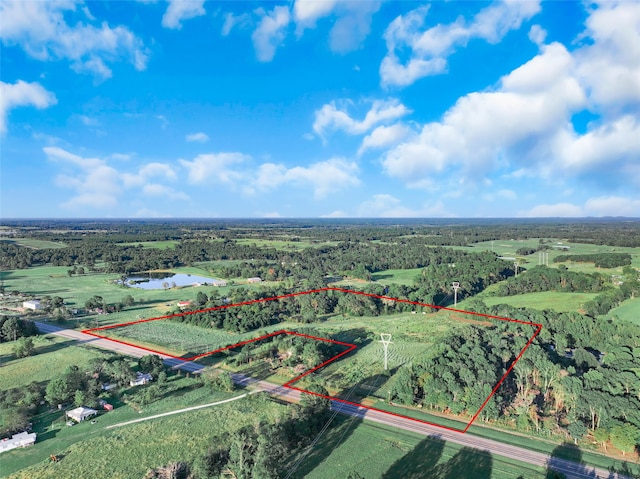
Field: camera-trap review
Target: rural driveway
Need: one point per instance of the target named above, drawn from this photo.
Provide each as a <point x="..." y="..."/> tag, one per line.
<point x="571" y="469"/>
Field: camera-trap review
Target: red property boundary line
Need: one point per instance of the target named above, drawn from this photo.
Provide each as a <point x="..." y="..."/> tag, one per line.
<point x="350" y="347"/>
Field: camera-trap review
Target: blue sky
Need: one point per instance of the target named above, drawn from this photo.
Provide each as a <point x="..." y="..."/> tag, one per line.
<point x="319" y="109"/>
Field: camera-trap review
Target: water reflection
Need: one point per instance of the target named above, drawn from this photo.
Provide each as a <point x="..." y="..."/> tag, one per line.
<point x="169" y="280"/>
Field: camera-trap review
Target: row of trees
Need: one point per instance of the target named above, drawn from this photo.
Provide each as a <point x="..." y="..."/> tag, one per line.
<point x="601" y="260"/>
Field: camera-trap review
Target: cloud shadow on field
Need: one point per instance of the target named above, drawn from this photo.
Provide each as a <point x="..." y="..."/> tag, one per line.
<point x="422" y="463"/>
<point x="341" y="429"/>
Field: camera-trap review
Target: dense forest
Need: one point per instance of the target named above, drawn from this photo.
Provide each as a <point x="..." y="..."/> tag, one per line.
<point x="579" y="375"/>
<point x="92" y="242"/>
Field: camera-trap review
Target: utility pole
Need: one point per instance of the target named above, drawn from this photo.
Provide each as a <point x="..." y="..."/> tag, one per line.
<point x="385" y="339"/>
<point x="516" y="264"/>
<point x="456" y="286"/>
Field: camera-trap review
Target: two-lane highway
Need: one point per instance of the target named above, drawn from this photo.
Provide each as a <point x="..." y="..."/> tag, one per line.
<point x="571" y="469"/>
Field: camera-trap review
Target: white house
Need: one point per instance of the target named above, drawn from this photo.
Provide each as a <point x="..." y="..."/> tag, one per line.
<point x="22" y="439"/>
<point x="141" y="379"/>
<point x="81" y="413"/>
<point x="33" y="304"/>
<point x="254" y="280"/>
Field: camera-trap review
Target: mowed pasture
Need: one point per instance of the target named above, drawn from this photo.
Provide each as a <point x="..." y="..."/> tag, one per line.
<point x="52" y="356"/>
<point x="509" y="248"/>
<point x="629" y="310"/>
<point x="77" y="289"/>
<point x="35" y="243"/>
<point x="90" y="450"/>
<point x="556" y="301"/>
<point x="380" y="452"/>
<point x="397" y="276"/>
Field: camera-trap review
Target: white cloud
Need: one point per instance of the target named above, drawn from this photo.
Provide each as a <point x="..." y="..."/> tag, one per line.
<point x="537" y="34"/>
<point x="335" y="214"/>
<point x="559" y="210"/>
<point x="231" y="21"/>
<point x="384" y="136"/>
<point x="615" y="144"/>
<point x="597" y="206"/>
<point x="330" y="117"/>
<point x="214" y="165"/>
<point x="96" y="184"/>
<point x="609" y="66"/>
<point x="352" y="22"/>
<point x="179" y="10"/>
<point x="352" y="26"/>
<point x="271" y="214"/>
<point x="234" y="170"/>
<point x="388" y="206"/>
<point x="487" y="130"/>
<point x="613" y="206"/>
<point x="307" y="12"/>
<point x="22" y="94"/>
<point x="324" y="177"/>
<point x="154" y="189"/>
<point x="430" y="48"/>
<point x="88" y="121"/>
<point x="42" y="31"/>
<point x="199" y="137"/>
<point x="270" y="32"/>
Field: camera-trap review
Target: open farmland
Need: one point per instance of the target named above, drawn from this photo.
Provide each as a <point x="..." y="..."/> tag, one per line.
<point x="130" y="451"/>
<point x="49" y="350"/>
<point x="561" y="302"/>
<point x="629" y="310"/>
<point x="378" y="452"/>
<point x="35" y="243"/>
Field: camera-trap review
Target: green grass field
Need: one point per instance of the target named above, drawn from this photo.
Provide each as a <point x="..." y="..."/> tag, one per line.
<point x="91" y="451"/>
<point x="629" y="310"/>
<point x="561" y="302"/>
<point x="527" y="441"/>
<point x="50" y="351"/>
<point x="509" y="247"/>
<point x="380" y="452"/>
<point x="35" y="243"/>
<point x="398" y="276"/>
<point x="177" y="338"/>
<point x="75" y="290"/>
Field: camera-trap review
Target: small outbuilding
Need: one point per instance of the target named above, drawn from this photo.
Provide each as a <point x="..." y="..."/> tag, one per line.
<point x="141" y="379"/>
<point x="33" y="304"/>
<point x="23" y="439"/>
<point x="254" y="280"/>
<point x="81" y="413"/>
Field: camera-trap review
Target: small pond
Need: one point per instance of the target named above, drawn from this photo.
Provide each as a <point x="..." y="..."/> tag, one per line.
<point x="169" y="280"/>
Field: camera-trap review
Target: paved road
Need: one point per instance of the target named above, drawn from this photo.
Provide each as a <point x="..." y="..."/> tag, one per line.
<point x="571" y="469"/>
